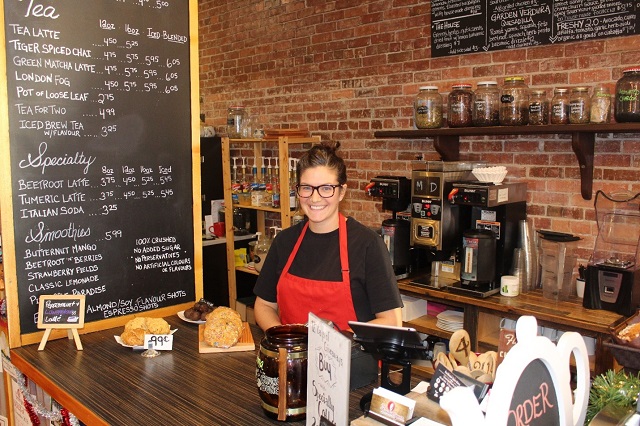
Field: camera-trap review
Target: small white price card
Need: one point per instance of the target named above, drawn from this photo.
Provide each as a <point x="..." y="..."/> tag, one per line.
<point x="159" y="342"/>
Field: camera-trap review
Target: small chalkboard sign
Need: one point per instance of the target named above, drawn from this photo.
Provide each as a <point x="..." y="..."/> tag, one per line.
<point x="61" y="311"/>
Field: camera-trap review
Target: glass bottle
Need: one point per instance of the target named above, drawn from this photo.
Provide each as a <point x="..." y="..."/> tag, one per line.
<point x="459" y="105"/>
<point x="235" y="120"/>
<point x="579" y="105"/>
<point x="427" y="108"/>
<point x="486" y="104"/>
<point x="514" y="102"/>
<point x="538" y="107"/>
<point x="600" y="105"/>
<point x="627" y="104"/>
<point x="560" y="106"/>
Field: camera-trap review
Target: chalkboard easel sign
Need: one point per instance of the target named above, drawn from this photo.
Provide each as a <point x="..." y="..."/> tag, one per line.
<point x="61" y="311"/>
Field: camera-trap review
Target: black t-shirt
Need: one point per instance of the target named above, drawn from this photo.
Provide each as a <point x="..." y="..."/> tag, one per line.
<point x="373" y="282"/>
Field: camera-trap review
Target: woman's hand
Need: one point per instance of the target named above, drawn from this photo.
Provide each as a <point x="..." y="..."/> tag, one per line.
<point x="266" y="314"/>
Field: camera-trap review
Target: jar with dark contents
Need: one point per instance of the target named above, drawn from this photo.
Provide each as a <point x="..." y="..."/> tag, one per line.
<point x="579" y="105"/>
<point x="538" y="107"/>
<point x="486" y="104"/>
<point x="560" y="106"/>
<point x="627" y="103"/>
<point x="459" y="106"/>
<point x="427" y="108"/>
<point x="514" y="102"/>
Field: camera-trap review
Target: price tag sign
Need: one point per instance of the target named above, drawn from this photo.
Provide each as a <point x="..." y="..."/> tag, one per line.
<point x="159" y="342"/>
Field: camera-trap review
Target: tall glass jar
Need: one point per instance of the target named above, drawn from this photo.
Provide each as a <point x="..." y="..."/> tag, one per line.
<point x="427" y="108"/>
<point x="459" y="106"/>
<point x="579" y="105"/>
<point x="560" y="106"/>
<point x="538" y="107"/>
<point x="486" y="104"/>
<point x="627" y="105"/>
<point x="235" y="120"/>
<point x="514" y="102"/>
<point x="600" y="105"/>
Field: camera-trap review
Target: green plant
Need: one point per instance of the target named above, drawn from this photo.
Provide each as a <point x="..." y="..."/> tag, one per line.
<point x="616" y="388"/>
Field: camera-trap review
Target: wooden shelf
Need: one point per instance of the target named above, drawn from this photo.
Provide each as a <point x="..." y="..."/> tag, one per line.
<point x="446" y="141"/>
<point x="427" y="324"/>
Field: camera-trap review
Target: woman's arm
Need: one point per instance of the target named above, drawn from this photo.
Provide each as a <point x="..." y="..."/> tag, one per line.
<point x="266" y="313"/>
<point x="391" y="317"/>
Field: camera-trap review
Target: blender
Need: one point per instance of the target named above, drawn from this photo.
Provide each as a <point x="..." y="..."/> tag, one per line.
<point x="613" y="274"/>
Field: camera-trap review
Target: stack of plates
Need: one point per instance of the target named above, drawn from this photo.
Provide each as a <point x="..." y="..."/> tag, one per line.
<point x="450" y="320"/>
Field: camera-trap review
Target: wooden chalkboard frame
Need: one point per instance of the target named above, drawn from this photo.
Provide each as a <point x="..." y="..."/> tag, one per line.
<point x="530" y="351"/>
<point x="11" y="262"/>
<point x="61" y="297"/>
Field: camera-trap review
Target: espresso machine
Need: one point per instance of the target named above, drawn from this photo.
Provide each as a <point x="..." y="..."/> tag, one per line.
<point x="490" y="214"/>
<point x="395" y="193"/>
<point x="612" y="280"/>
<point x="436" y="224"/>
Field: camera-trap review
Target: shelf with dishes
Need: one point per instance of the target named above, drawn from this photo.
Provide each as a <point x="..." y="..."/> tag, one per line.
<point x="446" y="140"/>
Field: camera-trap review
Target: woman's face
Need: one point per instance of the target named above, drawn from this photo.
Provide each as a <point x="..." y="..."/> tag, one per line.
<point x="322" y="212"/>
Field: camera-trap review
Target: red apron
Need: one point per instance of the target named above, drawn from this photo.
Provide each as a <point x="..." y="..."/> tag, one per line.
<point x="330" y="300"/>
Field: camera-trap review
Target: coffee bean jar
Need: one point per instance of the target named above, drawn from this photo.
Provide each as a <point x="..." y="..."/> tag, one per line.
<point x="514" y="102"/>
<point x="560" y="106"/>
<point x="486" y="104"/>
<point x="459" y="106"/>
<point x="538" y="107"/>
<point x="627" y="101"/>
<point x="579" y="105"/>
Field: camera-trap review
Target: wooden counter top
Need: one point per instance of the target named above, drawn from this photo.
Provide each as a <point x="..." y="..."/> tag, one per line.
<point x="570" y="313"/>
<point x="110" y="384"/>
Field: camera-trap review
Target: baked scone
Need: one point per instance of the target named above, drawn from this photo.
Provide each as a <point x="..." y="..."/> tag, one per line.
<point x="136" y="328"/>
<point x="630" y="332"/>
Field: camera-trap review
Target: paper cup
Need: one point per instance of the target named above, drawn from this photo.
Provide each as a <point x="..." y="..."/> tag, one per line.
<point x="580" y="287"/>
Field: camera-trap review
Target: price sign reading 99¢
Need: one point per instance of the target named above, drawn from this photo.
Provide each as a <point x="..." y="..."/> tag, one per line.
<point x="159" y="342"/>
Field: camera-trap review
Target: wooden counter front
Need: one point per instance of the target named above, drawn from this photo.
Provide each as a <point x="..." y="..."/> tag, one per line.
<point x="110" y="384"/>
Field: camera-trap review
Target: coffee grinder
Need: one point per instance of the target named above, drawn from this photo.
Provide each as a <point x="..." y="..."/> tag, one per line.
<point x="613" y="274"/>
<point x="395" y="193"/>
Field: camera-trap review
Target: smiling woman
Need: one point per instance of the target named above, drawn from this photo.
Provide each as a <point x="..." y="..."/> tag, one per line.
<point x="330" y="265"/>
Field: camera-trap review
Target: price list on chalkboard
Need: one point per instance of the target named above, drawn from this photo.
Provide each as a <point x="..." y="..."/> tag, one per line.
<point x="471" y="26"/>
<point x="100" y="138"/>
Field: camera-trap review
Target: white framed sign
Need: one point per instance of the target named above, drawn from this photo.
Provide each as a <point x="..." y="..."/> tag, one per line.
<point x="328" y="368"/>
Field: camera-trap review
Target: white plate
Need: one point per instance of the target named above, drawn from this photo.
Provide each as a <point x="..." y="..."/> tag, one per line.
<point x="451" y="316"/>
<point x="135" y="348"/>
<point x="185" y="319"/>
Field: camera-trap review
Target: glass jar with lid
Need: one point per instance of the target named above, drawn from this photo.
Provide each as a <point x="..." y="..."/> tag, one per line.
<point x="579" y="105"/>
<point x="235" y="120"/>
<point x="427" y="108"/>
<point x="514" y="102"/>
<point x="560" y="106"/>
<point x="486" y="104"/>
<point x="600" y="105"/>
<point x="627" y="104"/>
<point x="538" y="107"/>
<point x="459" y="105"/>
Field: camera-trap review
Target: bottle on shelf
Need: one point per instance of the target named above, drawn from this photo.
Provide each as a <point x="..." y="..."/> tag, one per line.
<point x="236" y="184"/>
<point x="269" y="177"/>
<point x="244" y="196"/>
<point x="275" y="183"/>
<point x="292" y="184"/>
<point x="256" y="193"/>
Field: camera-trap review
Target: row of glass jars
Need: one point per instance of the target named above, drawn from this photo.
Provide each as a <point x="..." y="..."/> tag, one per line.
<point x="515" y="105"/>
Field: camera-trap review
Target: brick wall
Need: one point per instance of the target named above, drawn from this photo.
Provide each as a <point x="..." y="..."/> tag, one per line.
<point x="343" y="69"/>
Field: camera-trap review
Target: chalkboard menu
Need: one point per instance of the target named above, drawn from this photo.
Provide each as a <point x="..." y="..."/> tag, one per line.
<point x="470" y="26"/>
<point x="99" y="101"/>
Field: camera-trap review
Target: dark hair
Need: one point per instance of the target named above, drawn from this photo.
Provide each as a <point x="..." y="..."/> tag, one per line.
<point x="323" y="154"/>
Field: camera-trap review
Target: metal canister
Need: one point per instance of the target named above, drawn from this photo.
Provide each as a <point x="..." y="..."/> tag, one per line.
<point x="281" y="372"/>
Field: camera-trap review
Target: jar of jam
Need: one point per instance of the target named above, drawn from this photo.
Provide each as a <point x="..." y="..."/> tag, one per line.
<point x="600" y="105"/>
<point x="427" y="108"/>
<point x="627" y="104"/>
<point x="560" y="106"/>
<point x="579" y="105"/>
<point x="514" y="102"/>
<point x="538" y="107"/>
<point x="486" y="104"/>
<point x="459" y="106"/>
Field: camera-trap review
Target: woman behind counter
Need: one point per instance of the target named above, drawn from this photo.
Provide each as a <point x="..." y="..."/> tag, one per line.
<point x="330" y="265"/>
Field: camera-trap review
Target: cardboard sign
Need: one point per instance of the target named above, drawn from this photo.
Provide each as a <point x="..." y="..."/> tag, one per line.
<point x="61" y="311"/>
<point x="328" y="367"/>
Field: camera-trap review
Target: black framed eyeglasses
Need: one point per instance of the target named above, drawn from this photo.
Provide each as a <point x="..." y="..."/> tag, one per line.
<point x="325" y="191"/>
